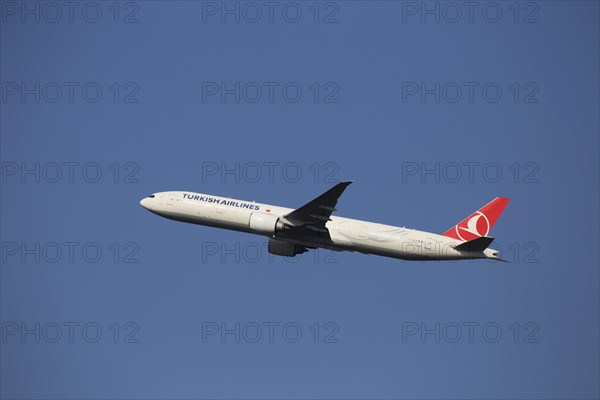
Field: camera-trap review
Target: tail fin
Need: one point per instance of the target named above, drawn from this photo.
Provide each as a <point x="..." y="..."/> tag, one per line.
<point x="480" y="222"/>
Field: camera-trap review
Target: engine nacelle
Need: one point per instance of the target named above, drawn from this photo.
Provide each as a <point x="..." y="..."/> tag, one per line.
<point x="281" y="248"/>
<point x="265" y="223"/>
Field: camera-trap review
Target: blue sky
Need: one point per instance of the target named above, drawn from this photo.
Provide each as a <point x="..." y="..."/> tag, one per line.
<point x="102" y="105"/>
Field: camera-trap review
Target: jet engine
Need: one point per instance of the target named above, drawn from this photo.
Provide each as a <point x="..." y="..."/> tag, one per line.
<point x="264" y="223"/>
<point x="281" y="248"/>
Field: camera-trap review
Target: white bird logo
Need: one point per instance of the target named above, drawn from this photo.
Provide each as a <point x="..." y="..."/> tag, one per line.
<point x="472" y="225"/>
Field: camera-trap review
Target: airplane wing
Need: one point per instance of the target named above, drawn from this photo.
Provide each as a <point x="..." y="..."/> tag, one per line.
<point x="310" y="219"/>
<point x="316" y="212"/>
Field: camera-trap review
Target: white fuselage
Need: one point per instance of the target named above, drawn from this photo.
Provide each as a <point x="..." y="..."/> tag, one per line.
<point x="346" y="234"/>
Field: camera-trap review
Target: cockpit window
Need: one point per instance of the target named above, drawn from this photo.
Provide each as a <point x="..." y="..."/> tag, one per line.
<point x="151" y="196"/>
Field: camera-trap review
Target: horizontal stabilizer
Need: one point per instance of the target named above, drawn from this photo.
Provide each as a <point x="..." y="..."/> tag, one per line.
<point x="479" y="244"/>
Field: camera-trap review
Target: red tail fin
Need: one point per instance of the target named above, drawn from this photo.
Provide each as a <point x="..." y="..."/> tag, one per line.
<point x="480" y="222"/>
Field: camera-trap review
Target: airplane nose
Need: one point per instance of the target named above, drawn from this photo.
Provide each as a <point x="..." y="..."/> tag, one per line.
<point x="146" y="203"/>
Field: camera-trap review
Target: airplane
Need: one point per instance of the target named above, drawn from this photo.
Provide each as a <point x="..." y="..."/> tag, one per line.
<point x="295" y="231"/>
